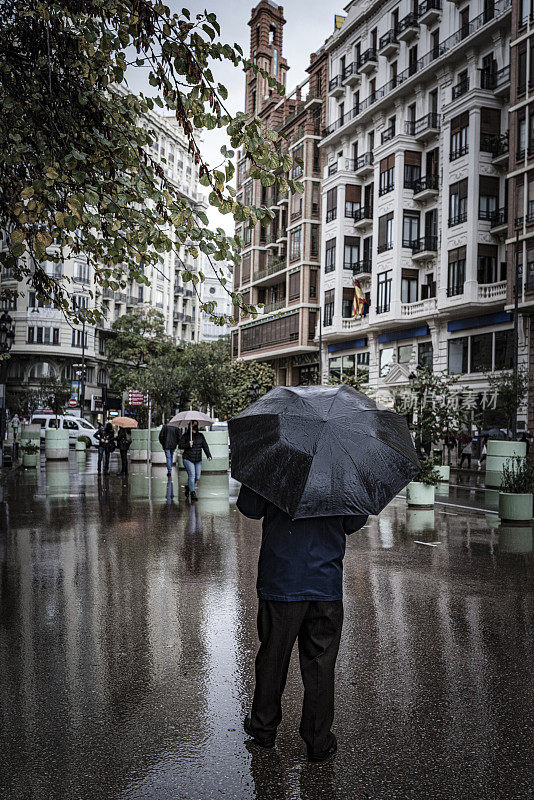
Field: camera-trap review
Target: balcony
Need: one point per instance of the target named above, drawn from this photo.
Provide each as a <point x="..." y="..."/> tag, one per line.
<point x="384" y="246"/>
<point x="459" y="152"/>
<point x="335" y="86"/>
<point x="388" y="44"/>
<point x="276" y="305"/>
<point x="408" y="28"/>
<point x="332" y="168"/>
<point x="423" y="128"/>
<point x="497" y="81"/>
<point x="362" y="267"/>
<point x="363" y="217"/>
<point x="492" y="291"/>
<point x="455" y="289"/>
<point x="353" y="324"/>
<point x="499" y="221"/>
<point x="364" y="164"/>
<point x="429" y="12"/>
<point x="351" y="76"/>
<point x="426" y="188"/>
<point x="270" y="269"/>
<point x="498" y="146"/>
<point x="458" y="219"/>
<point x="368" y="61"/>
<point x="421" y="308"/>
<point x="424" y="248"/>
<point x="462" y="87"/>
<point x="388" y="134"/>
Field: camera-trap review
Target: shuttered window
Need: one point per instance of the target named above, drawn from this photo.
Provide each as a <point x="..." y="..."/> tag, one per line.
<point x="331" y="205"/>
<point x="412" y="168"/>
<point x="387" y="175"/>
<point x="294" y="285"/>
<point x="353" y="195"/>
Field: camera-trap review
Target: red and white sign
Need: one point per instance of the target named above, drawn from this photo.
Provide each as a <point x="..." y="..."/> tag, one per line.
<point x="136" y="398"/>
<point x="72" y="402"/>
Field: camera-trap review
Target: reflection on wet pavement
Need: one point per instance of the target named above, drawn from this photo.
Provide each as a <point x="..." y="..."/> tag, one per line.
<point x="128" y="635"/>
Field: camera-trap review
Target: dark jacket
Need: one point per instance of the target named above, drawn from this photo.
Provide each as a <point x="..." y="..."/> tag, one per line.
<point x="168" y="437"/>
<point x="194" y="453"/>
<point x="107" y="441"/>
<point x="124" y="439"/>
<point x="300" y="559"/>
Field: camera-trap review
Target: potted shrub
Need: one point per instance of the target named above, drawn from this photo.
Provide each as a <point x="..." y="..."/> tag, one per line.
<point x="421" y="492"/>
<point x="82" y="443"/>
<point x="30" y="454"/>
<point x="515" y="495"/>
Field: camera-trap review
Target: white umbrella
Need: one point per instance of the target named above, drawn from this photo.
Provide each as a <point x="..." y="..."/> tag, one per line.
<point x="181" y="419"/>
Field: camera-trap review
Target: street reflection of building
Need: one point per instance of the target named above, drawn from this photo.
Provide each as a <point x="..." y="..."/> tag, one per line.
<point x="280" y="264"/>
<point x="415" y="194"/>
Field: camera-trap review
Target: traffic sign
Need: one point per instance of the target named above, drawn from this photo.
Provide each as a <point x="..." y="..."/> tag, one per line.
<point x="72" y="402"/>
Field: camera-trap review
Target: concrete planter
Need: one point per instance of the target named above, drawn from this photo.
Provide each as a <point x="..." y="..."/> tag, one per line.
<point x="444" y="472"/>
<point x="499" y="451"/>
<point x="80" y="447"/>
<point x="515" y="538"/>
<point x="30" y="433"/>
<point x="420" y="495"/>
<point x="218" y="445"/>
<point x="30" y="459"/>
<point x="138" y="448"/>
<point x="157" y="453"/>
<point x="515" y="507"/>
<point x="56" y="444"/>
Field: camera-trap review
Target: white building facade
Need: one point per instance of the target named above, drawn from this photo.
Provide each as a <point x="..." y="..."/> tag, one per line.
<point x="414" y="191"/>
<point x="45" y="343"/>
<point x="213" y="291"/>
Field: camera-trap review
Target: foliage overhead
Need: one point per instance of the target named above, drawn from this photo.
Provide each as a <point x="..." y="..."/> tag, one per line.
<point x="54" y="393"/>
<point x="77" y="174"/>
<point x="243" y="376"/>
<point x="206" y="370"/>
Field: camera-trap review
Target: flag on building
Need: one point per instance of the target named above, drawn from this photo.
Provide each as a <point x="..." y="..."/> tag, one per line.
<point x="359" y="302"/>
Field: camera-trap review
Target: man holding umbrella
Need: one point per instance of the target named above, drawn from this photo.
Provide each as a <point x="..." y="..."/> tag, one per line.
<point x="314" y="462"/>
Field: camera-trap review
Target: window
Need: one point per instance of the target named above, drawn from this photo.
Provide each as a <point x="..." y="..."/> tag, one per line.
<point x="241" y="172"/>
<point x="488" y="200"/>
<point x="385" y="232"/>
<point x="41" y="370"/>
<point x="385" y="361"/>
<point x="410" y="228"/>
<point x="294" y="285"/>
<point x="490" y="127"/>
<point x="488" y="267"/>
<point x="248" y="195"/>
<point x="39" y="334"/>
<point x="387" y="175"/>
<point x="522" y="68"/>
<point x="412" y="168"/>
<point x="328" y="307"/>
<point x="312" y="323"/>
<point x="90" y="374"/>
<point x="331" y="205"/>
<point x="504" y="350"/>
<point x="334" y="367"/>
<point x="456" y="272"/>
<point x="80" y="301"/>
<point x="347" y="301"/>
<point x="316" y="199"/>
<point x="353" y="195"/>
<point x="330" y="260"/>
<point x="101" y="345"/>
<point x="313" y="284"/>
<point x="409" y="283"/>
<point x="247" y="234"/>
<point x="102" y="377"/>
<point x="298" y="153"/>
<point x="481" y="347"/>
<point x="425" y="355"/>
<point x="295" y="243"/>
<point x="314" y="247"/>
<point x="159" y="298"/>
<point x="352" y="252"/>
<point x="81" y="272"/>
<point x="458" y="203"/>
<point x="458" y="355"/>
<point x="404" y="353"/>
<point x="38" y="302"/>
<point x="362" y="366"/>
<point x="459" y="136"/>
<point x="384" y="292"/>
<point x="79" y="338"/>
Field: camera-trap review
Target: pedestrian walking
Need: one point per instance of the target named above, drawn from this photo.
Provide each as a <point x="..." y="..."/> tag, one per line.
<point x="525" y="437"/>
<point x="193" y="442"/>
<point x="483" y="453"/>
<point x="107" y="442"/>
<point x="15" y="422"/>
<point x="467" y="454"/>
<point x="300" y="591"/>
<point x="168" y="439"/>
<point x="100" y="436"/>
<point x="124" y="440"/>
<point x="313" y="462"/>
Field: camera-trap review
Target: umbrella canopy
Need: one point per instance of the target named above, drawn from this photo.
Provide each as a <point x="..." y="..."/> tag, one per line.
<point x="125" y="422"/>
<point x="494" y="433"/>
<point x="322" y="451"/>
<point x="182" y="419"/>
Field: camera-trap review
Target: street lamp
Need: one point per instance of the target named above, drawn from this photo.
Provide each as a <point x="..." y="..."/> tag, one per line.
<point x="7" y="336"/>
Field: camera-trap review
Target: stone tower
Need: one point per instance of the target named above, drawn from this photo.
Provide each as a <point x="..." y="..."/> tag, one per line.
<point x="266" y="37"/>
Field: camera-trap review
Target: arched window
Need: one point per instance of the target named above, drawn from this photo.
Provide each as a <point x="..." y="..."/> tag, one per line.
<point x="43" y="369"/>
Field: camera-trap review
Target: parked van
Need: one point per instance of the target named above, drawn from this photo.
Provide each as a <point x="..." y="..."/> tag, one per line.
<point x="76" y="426"/>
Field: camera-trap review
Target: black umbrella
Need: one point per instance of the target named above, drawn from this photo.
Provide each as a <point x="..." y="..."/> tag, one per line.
<point x="322" y="451"/>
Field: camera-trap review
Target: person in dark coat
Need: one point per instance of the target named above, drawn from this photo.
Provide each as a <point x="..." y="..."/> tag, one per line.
<point x="124" y="441"/>
<point x="193" y="446"/>
<point x="168" y="439"/>
<point x="300" y="590"/>
<point x="100" y="436"/>
<point x="108" y="443"/>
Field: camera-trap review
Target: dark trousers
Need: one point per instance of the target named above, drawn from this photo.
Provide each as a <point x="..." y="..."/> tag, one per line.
<point x="103" y="454"/>
<point x="462" y="459"/>
<point x="124" y="462"/>
<point x="317" y="625"/>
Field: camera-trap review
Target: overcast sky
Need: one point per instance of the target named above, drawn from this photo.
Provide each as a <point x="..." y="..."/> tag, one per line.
<point x="308" y="24"/>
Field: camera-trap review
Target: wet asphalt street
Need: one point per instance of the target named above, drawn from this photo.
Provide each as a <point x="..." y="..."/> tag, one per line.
<point x="127" y="643"/>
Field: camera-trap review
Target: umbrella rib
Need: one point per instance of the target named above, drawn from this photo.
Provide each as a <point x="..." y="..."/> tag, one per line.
<point x="378" y="439"/>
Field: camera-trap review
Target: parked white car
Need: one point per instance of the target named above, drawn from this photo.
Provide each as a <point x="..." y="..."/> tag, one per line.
<point x="75" y="426"/>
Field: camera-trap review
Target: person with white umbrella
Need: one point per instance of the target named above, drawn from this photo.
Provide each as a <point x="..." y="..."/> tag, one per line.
<point x="192" y="442"/>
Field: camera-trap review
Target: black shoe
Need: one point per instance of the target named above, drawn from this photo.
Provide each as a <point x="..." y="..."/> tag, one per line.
<point x="326" y="755"/>
<point x="186" y="487"/>
<point x="194" y="496"/>
<point x="267" y="744"/>
<point x="169" y="473"/>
